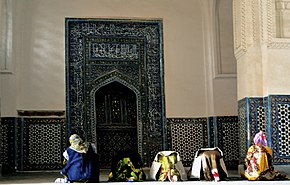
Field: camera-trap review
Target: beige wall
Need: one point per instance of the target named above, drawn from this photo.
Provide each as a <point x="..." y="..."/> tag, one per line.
<point x="278" y="75"/>
<point x="262" y="47"/>
<point x="37" y="79"/>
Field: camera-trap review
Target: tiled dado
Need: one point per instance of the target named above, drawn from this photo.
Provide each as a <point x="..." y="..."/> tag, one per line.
<point x="31" y="143"/>
<point x="270" y="114"/>
<point x="190" y="134"/>
<point x="8" y="143"/>
<point x="37" y="143"/>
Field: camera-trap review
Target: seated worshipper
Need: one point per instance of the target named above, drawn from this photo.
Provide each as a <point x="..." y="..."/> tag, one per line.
<point x="81" y="162"/>
<point x="258" y="161"/>
<point x="167" y="165"/>
<point x="208" y="164"/>
<point x="127" y="167"/>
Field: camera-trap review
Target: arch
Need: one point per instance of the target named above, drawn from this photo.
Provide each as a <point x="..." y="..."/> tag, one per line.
<point x="104" y="83"/>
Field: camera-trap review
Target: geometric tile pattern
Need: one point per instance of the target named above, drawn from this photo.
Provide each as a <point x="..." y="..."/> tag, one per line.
<point x="38" y="143"/>
<point x="257" y="118"/>
<point x="188" y="135"/>
<point x="7" y="144"/>
<point x="243" y="129"/>
<point x="270" y="114"/>
<point x="103" y="51"/>
<point x="261" y="118"/>
<point x="228" y="139"/>
<point x="212" y="136"/>
<point x="279" y="128"/>
<point x="42" y="142"/>
<point x="284" y="129"/>
<point x="266" y="115"/>
<point x="112" y="140"/>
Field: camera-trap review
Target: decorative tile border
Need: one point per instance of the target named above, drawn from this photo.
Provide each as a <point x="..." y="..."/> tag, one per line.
<point x="243" y="116"/>
<point x="100" y="51"/>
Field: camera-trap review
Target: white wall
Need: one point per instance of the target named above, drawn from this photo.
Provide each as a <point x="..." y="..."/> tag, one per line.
<point x="262" y="47"/>
<point x="38" y="81"/>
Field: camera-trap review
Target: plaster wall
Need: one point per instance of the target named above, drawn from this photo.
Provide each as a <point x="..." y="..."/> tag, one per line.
<point x="262" y="48"/>
<point x="37" y="79"/>
<point x="277" y="70"/>
<point x="250" y="74"/>
<point x="264" y="72"/>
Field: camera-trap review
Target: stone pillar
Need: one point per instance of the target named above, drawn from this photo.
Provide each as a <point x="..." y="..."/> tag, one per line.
<point x="261" y="45"/>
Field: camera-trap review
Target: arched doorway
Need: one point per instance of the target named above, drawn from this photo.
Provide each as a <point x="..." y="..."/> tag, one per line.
<point x="116" y="121"/>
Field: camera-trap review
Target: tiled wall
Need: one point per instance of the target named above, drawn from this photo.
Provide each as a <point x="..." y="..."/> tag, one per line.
<point x="37" y="143"/>
<point x="190" y="134"/>
<point x="32" y="143"/>
<point x="8" y="144"/>
<point x="270" y="114"/>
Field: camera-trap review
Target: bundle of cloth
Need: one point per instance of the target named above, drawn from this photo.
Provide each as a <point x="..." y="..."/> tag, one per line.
<point x="167" y="166"/>
<point x="208" y="164"/>
<point x="127" y="166"/>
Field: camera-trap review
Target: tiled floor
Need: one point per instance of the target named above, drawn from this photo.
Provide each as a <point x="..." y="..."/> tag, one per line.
<point x="48" y="177"/>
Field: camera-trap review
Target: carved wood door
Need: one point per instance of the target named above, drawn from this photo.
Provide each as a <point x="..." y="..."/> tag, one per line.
<point x="116" y="121"/>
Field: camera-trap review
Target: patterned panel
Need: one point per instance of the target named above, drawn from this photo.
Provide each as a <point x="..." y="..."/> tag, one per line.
<point x="168" y="134"/>
<point x="267" y="114"/>
<point x="271" y="115"/>
<point x="284" y="129"/>
<point x="112" y="141"/>
<point x="261" y="119"/>
<point x="257" y="117"/>
<point x="7" y="143"/>
<point x="228" y="139"/>
<point x="43" y="143"/>
<point x="243" y="129"/>
<point x="102" y="51"/>
<point x="188" y="135"/>
<point x="212" y="132"/>
<point x="279" y="128"/>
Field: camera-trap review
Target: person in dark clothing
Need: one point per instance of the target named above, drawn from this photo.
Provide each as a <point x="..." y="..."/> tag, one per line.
<point x="126" y="166"/>
<point x="81" y="162"/>
<point x="208" y="164"/>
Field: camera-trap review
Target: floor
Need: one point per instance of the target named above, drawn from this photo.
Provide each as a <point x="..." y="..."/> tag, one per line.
<point x="48" y="177"/>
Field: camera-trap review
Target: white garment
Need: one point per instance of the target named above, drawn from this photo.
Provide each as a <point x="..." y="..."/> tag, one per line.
<point x="61" y="180"/>
<point x="196" y="165"/>
<point x="156" y="165"/>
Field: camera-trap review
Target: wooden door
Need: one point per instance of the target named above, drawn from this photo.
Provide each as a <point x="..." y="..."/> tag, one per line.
<point x="116" y="121"/>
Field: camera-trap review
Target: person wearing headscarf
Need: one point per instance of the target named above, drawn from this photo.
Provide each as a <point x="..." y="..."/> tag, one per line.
<point x="81" y="162"/>
<point x="258" y="161"/>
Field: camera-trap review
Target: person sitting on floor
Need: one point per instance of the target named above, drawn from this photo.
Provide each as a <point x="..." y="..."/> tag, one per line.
<point x="208" y="164"/>
<point x="127" y="166"/>
<point x="81" y="162"/>
<point x="167" y="165"/>
<point x="258" y="161"/>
